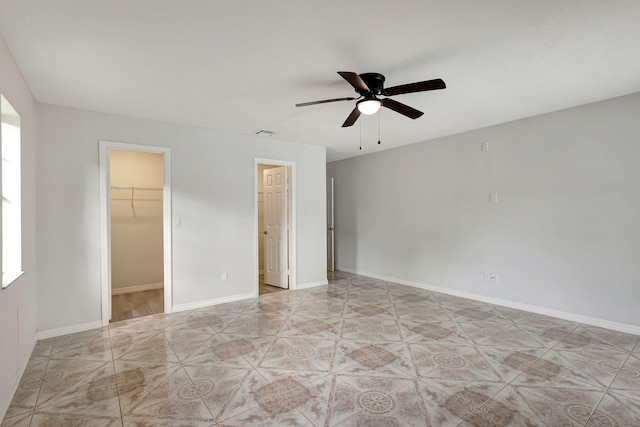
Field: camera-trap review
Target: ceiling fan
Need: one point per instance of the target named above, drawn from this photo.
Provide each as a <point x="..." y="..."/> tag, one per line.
<point x="369" y="86"/>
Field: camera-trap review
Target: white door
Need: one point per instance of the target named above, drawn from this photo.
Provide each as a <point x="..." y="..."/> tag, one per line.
<point x="330" y="227"/>
<point x="275" y="224"/>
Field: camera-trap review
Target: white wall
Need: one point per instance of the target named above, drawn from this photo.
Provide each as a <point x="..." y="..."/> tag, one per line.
<point x="565" y="234"/>
<point x="213" y="180"/>
<point x="18" y="303"/>
<point x="137" y="256"/>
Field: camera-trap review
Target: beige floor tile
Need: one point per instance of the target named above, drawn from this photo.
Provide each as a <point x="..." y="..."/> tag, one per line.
<point x="354" y="395"/>
<point x="300" y="354"/>
<point x="356" y="352"/>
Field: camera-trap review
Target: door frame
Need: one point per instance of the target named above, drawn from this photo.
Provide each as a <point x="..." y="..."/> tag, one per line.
<point x="105" y="222"/>
<point x="292" y="247"/>
<point x="331" y="226"/>
<point x="281" y="215"/>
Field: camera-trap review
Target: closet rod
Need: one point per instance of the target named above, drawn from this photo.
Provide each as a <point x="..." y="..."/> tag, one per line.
<point x="113" y="187"/>
<point x="133" y="191"/>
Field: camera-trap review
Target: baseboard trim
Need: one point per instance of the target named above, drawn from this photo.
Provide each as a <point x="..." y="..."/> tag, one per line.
<point x="52" y="333"/>
<point x="215" y="301"/>
<point x="592" y="321"/>
<point x="136" y="288"/>
<point x="5" y="403"/>
<point x="308" y="285"/>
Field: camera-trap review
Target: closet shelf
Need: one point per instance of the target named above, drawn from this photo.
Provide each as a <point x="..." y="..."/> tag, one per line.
<point x="136" y="193"/>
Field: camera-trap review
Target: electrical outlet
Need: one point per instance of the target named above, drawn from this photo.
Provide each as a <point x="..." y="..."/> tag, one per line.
<point x="484" y="146"/>
<point x="223" y="277"/>
<point x="493" y="198"/>
<point x="177" y="222"/>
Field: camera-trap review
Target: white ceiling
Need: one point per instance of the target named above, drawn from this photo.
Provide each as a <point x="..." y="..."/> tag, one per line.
<point x="240" y="66"/>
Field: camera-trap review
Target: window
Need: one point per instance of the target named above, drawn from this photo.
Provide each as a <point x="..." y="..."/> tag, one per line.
<point x="11" y="259"/>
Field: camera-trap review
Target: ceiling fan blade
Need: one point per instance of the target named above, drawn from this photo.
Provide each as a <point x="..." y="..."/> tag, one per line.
<point x="352" y="118"/>
<point x="355" y="80"/>
<point x="401" y="108"/>
<point x="324" y="101"/>
<point x="415" y="87"/>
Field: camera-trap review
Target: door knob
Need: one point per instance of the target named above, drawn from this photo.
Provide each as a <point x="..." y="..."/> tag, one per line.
<point x="264" y="232"/>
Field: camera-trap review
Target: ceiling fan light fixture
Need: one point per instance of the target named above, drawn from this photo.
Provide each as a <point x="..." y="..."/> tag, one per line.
<point x="369" y="106"/>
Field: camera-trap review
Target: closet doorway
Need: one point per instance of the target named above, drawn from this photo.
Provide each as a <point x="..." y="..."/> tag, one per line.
<point x="275" y="211"/>
<point x="135" y="206"/>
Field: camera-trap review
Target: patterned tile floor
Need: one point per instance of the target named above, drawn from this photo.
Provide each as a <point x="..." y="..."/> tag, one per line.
<point x="359" y="352"/>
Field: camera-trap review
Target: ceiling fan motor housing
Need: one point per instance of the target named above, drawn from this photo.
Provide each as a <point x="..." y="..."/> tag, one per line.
<point x="375" y="82"/>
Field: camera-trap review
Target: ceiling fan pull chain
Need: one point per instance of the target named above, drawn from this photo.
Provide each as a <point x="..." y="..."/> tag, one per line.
<point x="378" y="128"/>
<point x="360" y="135"/>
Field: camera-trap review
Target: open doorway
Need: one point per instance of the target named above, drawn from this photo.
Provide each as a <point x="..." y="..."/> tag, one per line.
<point x="135" y="208"/>
<point x="275" y="226"/>
<point x="137" y="270"/>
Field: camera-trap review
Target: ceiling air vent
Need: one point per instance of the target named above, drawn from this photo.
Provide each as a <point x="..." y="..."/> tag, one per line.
<point x="265" y="132"/>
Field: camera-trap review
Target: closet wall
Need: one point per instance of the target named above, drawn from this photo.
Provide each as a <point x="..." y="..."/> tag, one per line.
<point x="136" y="221"/>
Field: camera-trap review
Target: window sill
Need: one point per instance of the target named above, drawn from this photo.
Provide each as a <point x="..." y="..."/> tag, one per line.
<point x="9" y="278"/>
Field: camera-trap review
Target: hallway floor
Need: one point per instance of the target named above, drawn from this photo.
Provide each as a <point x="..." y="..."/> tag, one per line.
<point x="268" y="289"/>
<point x="137" y="304"/>
<point x="359" y="352"/>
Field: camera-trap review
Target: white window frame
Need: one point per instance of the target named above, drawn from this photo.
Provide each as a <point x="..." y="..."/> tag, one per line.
<point x="11" y="192"/>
